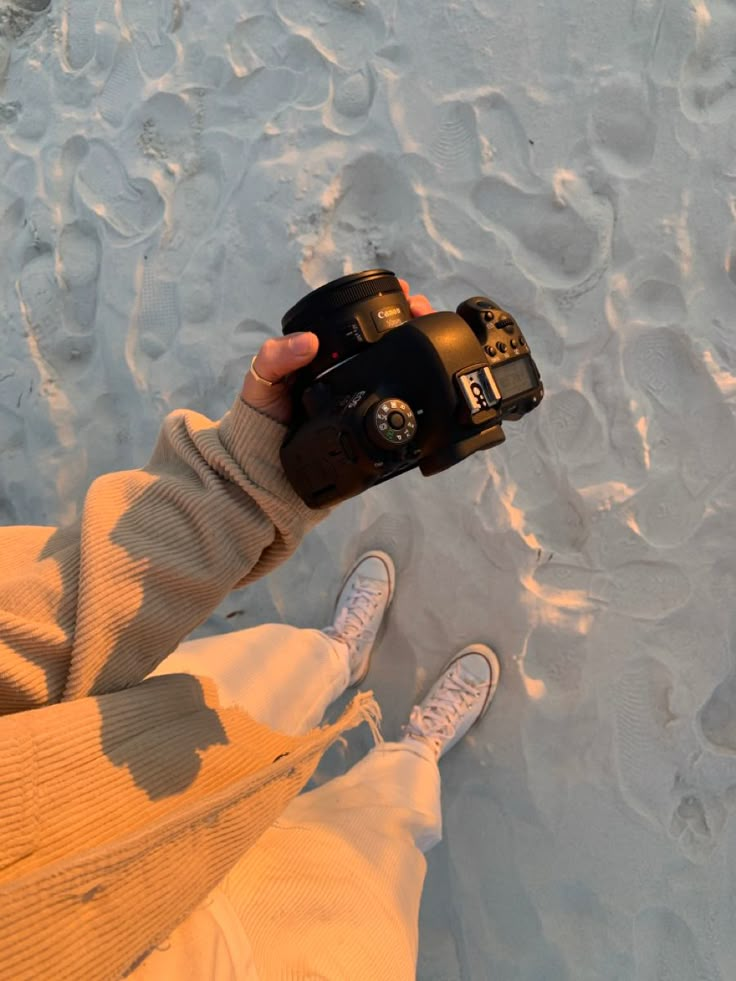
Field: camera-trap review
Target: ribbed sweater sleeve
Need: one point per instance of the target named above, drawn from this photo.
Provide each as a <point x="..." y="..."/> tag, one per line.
<point x="95" y="607"/>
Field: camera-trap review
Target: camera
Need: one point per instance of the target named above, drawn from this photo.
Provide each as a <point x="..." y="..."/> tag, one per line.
<point x="388" y="392"/>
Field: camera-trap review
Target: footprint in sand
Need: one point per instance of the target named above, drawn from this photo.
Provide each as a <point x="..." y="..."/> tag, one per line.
<point x="720" y="579"/>
<point x="554" y="512"/>
<point x="447" y="133"/>
<point x="559" y="578"/>
<point x="454" y="147"/>
<point x="504" y="140"/>
<point x="314" y="85"/>
<point x="261" y="95"/>
<point x="643" y="590"/>
<point x="78" y="31"/>
<point x="572" y="431"/>
<point x="644" y="745"/>
<point x="665" y="947"/>
<point x="199" y="290"/>
<point x="42" y="307"/>
<point x="657" y="302"/>
<point x="79" y="254"/>
<point x="717" y="718"/>
<point x="622" y="125"/>
<point x="41" y="298"/>
<point x="661" y="364"/>
<point x="114" y="102"/>
<point x="348" y="32"/>
<point x="560" y="237"/>
<point x="346" y="112"/>
<point x="60" y="166"/>
<point x="12" y="211"/>
<point x="36" y="109"/>
<point x="708" y="75"/>
<point x="131" y="208"/>
<point x="164" y="299"/>
<point x="156" y="319"/>
<point x="566" y="588"/>
<point x="648" y="292"/>
<point x="556" y="659"/>
<point x="652" y="744"/>
<point x="256" y="42"/>
<point x="673" y="31"/>
<point x="165" y="129"/>
<point x="374" y="189"/>
<point x="193" y="210"/>
<point x="375" y="205"/>
<point x="562" y="524"/>
<point x="262" y="41"/>
<point x="666" y="513"/>
<point x="148" y="24"/>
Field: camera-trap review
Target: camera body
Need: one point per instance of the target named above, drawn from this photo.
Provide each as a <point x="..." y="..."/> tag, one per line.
<point x="388" y="392"/>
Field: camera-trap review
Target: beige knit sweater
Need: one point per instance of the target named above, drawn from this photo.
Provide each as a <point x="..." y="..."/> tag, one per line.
<point x="124" y="802"/>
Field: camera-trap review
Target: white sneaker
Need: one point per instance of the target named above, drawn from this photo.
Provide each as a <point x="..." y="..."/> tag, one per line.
<point x="360" y="610"/>
<point x="458" y="699"/>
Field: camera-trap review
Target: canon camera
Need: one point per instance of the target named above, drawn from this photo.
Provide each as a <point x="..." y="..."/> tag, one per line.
<point x="388" y="392"/>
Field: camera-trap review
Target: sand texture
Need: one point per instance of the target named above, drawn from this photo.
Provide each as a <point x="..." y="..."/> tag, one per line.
<point x="175" y="175"/>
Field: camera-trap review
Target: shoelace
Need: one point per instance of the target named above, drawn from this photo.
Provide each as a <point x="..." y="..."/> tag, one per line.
<point x="444" y="702"/>
<point x="361" y="592"/>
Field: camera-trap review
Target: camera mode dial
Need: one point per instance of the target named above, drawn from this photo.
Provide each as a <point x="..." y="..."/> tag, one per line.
<point x="391" y="424"/>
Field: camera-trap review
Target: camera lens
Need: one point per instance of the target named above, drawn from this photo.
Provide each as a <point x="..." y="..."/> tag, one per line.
<point x="348" y="315"/>
<point x="330" y="302"/>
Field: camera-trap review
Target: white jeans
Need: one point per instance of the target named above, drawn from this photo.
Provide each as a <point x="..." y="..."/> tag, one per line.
<point x="358" y="841"/>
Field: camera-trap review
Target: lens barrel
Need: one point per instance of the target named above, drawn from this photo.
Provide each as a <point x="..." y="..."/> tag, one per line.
<point x="324" y="303"/>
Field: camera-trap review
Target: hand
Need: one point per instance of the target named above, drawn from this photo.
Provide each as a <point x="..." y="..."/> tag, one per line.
<point x="277" y="361"/>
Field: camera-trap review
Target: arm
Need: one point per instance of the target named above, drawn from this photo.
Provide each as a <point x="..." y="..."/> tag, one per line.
<point x="95" y="607"/>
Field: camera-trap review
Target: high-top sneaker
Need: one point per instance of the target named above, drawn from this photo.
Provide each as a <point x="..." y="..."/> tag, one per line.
<point x="360" y="610"/>
<point x="458" y="699"/>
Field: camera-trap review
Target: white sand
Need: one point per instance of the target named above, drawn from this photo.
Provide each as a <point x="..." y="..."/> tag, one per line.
<point x="175" y="175"/>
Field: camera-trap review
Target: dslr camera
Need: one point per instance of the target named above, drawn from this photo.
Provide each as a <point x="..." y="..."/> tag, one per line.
<point x="388" y="392"/>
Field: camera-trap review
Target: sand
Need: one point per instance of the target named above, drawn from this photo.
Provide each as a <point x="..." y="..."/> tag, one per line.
<point x="174" y="176"/>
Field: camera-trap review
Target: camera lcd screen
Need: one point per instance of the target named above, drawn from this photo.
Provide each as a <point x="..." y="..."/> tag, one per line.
<point x="514" y="377"/>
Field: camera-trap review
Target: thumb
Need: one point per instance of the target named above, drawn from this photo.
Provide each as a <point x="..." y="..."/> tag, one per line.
<point x="280" y="357"/>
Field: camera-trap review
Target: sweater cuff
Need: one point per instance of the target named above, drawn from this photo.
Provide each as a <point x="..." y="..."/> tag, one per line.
<point x="254" y="440"/>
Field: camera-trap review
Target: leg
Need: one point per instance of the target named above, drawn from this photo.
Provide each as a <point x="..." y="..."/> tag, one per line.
<point x="282" y="676"/>
<point x="338" y="878"/>
<point x="333" y="888"/>
<point x="285" y="678"/>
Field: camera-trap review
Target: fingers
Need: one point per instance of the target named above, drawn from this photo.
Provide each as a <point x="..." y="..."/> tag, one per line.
<point x="278" y="357"/>
<point x="419" y="305"/>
